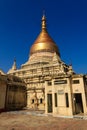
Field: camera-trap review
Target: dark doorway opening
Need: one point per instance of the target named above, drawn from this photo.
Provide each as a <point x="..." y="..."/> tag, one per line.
<point x="78" y="103"/>
<point x="49" y="102"/>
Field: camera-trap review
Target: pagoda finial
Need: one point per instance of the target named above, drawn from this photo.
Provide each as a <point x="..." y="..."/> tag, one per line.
<point x="43" y="21"/>
<point x="14" y="65"/>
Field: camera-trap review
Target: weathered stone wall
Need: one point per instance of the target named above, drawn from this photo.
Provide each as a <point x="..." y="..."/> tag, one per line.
<point x="2" y="95"/>
<point x="13" y="93"/>
<point x="16" y="97"/>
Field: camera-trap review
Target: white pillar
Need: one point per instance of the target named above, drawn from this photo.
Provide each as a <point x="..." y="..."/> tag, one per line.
<point x="53" y="98"/>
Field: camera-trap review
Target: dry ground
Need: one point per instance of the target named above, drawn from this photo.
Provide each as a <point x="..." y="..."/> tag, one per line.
<point x="23" y="121"/>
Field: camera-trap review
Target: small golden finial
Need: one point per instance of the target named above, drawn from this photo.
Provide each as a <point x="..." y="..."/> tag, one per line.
<point x="44" y="21"/>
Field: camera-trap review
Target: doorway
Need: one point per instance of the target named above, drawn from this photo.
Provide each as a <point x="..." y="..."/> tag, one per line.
<point x="49" y="103"/>
<point x="78" y="103"/>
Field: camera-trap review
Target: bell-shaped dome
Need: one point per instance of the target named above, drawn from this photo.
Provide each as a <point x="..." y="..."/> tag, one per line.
<point x="44" y="42"/>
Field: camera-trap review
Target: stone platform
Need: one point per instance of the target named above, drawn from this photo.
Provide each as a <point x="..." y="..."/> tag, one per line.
<point x="37" y="120"/>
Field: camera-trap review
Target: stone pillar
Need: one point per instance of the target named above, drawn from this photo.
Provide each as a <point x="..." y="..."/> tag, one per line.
<point x="84" y="97"/>
<point x="71" y="97"/>
<point x="28" y="99"/>
<point x="45" y="97"/>
<point x="53" y="98"/>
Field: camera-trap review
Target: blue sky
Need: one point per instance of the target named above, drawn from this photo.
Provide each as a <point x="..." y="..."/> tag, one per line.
<point x="20" y="24"/>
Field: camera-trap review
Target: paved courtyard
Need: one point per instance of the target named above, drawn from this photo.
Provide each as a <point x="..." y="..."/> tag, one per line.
<point x="30" y="120"/>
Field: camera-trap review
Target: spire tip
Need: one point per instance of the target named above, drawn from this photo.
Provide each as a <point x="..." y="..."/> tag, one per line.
<point x="43" y="20"/>
<point x="43" y="12"/>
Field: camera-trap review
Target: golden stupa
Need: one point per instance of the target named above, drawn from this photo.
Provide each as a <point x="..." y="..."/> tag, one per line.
<point x="44" y="42"/>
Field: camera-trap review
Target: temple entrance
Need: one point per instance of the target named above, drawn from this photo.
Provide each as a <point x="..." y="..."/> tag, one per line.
<point x="49" y="103"/>
<point x="78" y="103"/>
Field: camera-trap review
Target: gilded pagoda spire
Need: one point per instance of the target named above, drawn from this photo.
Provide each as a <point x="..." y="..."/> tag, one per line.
<point x="44" y="42"/>
<point x="43" y="22"/>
